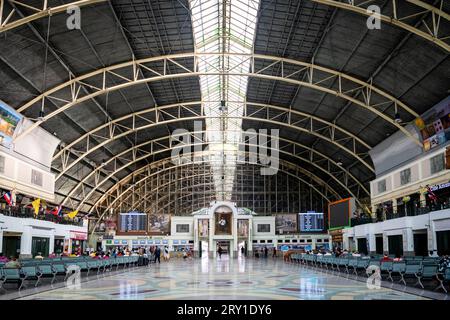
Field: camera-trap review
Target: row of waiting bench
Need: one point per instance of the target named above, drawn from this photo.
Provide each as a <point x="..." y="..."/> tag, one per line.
<point x="51" y="268"/>
<point x="417" y="267"/>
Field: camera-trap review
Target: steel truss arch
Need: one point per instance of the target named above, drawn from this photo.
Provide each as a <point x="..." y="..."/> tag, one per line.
<point x="432" y="33"/>
<point x="184" y="65"/>
<point x="343" y="185"/>
<point x="38" y="12"/>
<point x="294" y="122"/>
<point x="341" y="179"/>
<point x="130" y="156"/>
<point x="125" y="186"/>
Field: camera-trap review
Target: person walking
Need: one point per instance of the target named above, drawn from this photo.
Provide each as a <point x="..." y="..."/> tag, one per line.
<point x="219" y="251"/>
<point x="274" y="254"/>
<point x="266" y="252"/>
<point x="166" y="253"/>
<point x="158" y="254"/>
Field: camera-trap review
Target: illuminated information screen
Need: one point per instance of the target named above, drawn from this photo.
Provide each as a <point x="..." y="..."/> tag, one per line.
<point x="311" y="222"/>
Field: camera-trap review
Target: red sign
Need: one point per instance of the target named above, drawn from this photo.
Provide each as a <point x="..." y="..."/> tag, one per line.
<point x="78" y="235"/>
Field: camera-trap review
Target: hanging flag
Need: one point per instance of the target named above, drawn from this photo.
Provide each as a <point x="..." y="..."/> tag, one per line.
<point x="57" y="210"/>
<point x="7" y="196"/>
<point x="72" y="214"/>
<point x="36" y="203"/>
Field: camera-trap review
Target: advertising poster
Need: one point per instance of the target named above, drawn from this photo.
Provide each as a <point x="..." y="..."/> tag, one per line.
<point x="286" y="223"/>
<point x="159" y="224"/>
<point x="223" y="223"/>
<point x="9" y="121"/>
<point x="242" y="226"/>
<point x="203" y="228"/>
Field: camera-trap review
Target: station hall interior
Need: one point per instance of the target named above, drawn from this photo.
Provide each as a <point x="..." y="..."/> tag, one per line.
<point x="224" y="150"/>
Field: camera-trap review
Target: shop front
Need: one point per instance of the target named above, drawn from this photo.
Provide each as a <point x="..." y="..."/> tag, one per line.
<point x="78" y="241"/>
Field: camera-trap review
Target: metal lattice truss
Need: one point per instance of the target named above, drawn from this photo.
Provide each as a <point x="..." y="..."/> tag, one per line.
<point x="148" y="149"/>
<point x="401" y="14"/>
<point x="12" y="18"/>
<point x="228" y="29"/>
<point x="163" y="185"/>
<point x="70" y="94"/>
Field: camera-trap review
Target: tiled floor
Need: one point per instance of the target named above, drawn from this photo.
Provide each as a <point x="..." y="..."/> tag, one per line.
<point x="236" y="279"/>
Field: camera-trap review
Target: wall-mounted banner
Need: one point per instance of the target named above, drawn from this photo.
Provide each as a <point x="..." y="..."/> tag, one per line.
<point x="203" y="228"/>
<point x="10" y="120"/>
<point x="285" y="223"/>
<point x="242" y="226"/>
<point x="159" y="224"/>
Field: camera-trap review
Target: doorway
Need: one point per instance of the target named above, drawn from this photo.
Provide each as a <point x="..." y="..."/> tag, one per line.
<point x="11" y="245"/>
<point x="443" y="242"/>
<point x="242" y="249"/>
<point x="421" y="243"/>
<point x="395" y="245"/>
<point x="203" y="248"/>
<point x="225" y="248"/>
<point x="362" y="246"/>
<point x="379" y="244"/>
<point x="39" y="246"/>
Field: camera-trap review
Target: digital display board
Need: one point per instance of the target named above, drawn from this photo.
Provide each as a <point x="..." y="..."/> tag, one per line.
<point x="311" y="222"/>
<point x="339" y="213"/>
<point x="132" y="221"/>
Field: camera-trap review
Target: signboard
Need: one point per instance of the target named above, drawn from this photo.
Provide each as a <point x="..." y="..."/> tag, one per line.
<point x="9" y="122"/>
<point x="132" y="221"/>
<point x="175" y="241"/>
<point x="78" y="235"/>
<point x="286" y="223"/>
<point x="159" y="224"/>
<point x="440" y="186"/>
<point x="339" y="213"/>
<point x="311" y="222"/>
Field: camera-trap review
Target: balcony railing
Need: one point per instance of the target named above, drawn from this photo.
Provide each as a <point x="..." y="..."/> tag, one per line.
<point x="403" y="212"/>
<point x="24" y="212"/>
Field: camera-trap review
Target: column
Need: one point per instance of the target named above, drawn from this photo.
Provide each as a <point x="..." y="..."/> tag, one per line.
<point x="374" y="211"/>
<point x="51" y="244"/>
<point x="26" y="242"/>
<point x="372" y="243"/>
<point x="408" y="242"/>
<point x="385" y="243"/>
<point x="1" y="239"/>
<point x="394" y="206"/>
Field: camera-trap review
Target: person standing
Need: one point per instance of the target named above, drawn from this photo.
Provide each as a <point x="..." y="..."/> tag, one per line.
<point x="166" y="253"/>
<point x="158" y="254"/>
<point x="274" y="254"/>
<point x="266" y="252"/>
<point x="219" y="251"/>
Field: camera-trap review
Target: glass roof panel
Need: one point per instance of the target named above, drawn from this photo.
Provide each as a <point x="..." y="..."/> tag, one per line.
<point x="224" y="27"/>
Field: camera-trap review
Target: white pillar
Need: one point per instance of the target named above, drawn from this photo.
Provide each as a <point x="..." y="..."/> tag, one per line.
<point x="372" y="242"/>
<point x="1" y="240"/>
<point x="385" y="243"/>
<point x="25" y="242"/>
<point x="51" y="244"/>
<point x="408" y="241"/>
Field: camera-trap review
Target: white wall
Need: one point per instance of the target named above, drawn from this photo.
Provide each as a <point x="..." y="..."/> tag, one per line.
<point x="28" y="228"/>
<point x="17" y="176"/>
<point x="405" y="226"/>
